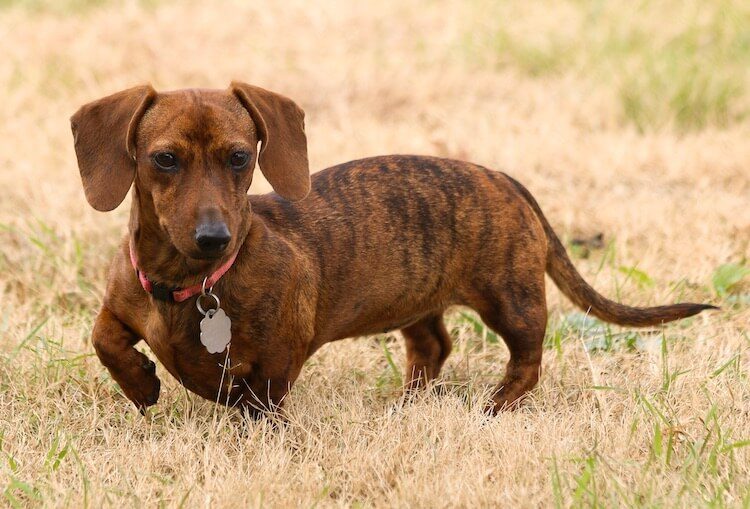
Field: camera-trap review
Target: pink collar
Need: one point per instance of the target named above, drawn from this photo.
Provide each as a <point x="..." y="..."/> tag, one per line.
<point x="161" y="291"/>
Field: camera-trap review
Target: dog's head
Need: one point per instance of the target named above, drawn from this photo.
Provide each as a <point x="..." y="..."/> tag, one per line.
<point x="191" y="154"/>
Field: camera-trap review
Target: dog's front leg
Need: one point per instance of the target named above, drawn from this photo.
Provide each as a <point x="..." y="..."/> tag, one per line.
<point x="134" y="372"/>
<point x="263" y="396"/>
<point x="264" y="390"/>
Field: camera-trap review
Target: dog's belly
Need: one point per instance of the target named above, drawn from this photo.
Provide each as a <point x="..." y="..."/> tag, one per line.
<point x="380" y="315"/>
<point x="366" y="328"/>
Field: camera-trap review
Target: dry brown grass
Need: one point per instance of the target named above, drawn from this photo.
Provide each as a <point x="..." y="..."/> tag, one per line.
<point x="650" y="419"/>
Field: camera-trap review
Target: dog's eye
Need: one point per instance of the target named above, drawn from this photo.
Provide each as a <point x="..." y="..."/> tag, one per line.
<point x="238" y="160"/>
<point x="165" y="161"/>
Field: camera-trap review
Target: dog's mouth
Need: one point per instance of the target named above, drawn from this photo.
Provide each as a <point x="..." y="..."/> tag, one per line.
<point x="200" y="255"/>
<point x="210" y="255"/>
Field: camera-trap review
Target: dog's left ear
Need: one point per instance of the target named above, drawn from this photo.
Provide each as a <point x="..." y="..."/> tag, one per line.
<point x="283" y="151"/>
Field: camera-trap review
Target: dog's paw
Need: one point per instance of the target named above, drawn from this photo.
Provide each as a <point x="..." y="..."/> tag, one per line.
<point x="503" y="402"/>
<point x="140" y="383"/>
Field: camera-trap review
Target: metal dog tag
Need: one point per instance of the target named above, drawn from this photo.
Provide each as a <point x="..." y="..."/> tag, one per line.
<point x="216" y="327"/>
<point x="216" y="330"/>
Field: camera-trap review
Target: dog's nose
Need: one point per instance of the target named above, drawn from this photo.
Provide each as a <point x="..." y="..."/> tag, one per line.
<point x="212" y="237"/>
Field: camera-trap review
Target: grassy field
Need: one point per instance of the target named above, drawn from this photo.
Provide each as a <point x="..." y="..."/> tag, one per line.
<point x="628" y="119"/>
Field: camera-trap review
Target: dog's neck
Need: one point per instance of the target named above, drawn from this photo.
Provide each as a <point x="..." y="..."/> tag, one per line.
<point x="157" y="256"/>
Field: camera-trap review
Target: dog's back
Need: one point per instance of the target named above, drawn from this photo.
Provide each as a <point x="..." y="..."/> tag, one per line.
<point x="411" y="230"/>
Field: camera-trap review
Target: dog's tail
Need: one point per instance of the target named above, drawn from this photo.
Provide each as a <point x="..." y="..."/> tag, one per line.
<point x="569" y="281"/>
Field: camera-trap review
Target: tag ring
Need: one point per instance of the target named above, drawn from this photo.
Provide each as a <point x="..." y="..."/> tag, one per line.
<point x="203" y="287"/>
<point x="213" y="310"/>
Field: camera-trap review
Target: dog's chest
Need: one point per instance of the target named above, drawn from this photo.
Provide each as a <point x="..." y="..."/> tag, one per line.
<point x="174" y="337"/>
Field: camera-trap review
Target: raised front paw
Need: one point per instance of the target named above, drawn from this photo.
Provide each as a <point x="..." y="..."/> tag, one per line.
<point x="144" y="391"/>
<point x="134" y="372"/>
<point x="138" y="380"/>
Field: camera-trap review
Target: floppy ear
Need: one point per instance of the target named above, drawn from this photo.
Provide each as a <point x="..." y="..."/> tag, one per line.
<point x="283" y="151"/>
<point x="104" y="138"/>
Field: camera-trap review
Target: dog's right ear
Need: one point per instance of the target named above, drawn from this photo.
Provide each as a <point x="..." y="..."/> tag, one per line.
<point x="104" y="138"/>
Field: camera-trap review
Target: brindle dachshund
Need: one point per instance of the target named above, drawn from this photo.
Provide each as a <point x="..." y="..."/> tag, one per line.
<point x="367" y="246"/>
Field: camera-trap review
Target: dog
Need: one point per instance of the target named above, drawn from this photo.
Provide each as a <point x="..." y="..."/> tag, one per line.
<point x="233" y="293"/>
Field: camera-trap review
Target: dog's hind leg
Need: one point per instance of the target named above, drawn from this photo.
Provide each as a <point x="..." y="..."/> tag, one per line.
<point x="428" y="344"/>
<point x="516" y="309"/>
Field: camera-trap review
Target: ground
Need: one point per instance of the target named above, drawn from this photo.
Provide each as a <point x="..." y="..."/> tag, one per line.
<point x="625" y="119"/>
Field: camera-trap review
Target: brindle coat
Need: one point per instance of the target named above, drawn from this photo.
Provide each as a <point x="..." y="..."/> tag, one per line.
<point x="367" y="246"/>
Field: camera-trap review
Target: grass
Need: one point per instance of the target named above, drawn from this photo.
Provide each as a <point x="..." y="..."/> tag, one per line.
<point x="621" y="417"/>
<point x="59" y="7"/>
<point x="687" y="76"/>
<point x="67" y="7"/>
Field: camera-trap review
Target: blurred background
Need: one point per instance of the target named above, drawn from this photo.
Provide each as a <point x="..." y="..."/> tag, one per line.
<point x="571" y="97"/>
<point x="628" y="120"/>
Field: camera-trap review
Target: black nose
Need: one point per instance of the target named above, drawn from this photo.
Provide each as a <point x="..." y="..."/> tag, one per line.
<point x="212" y="237"/>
